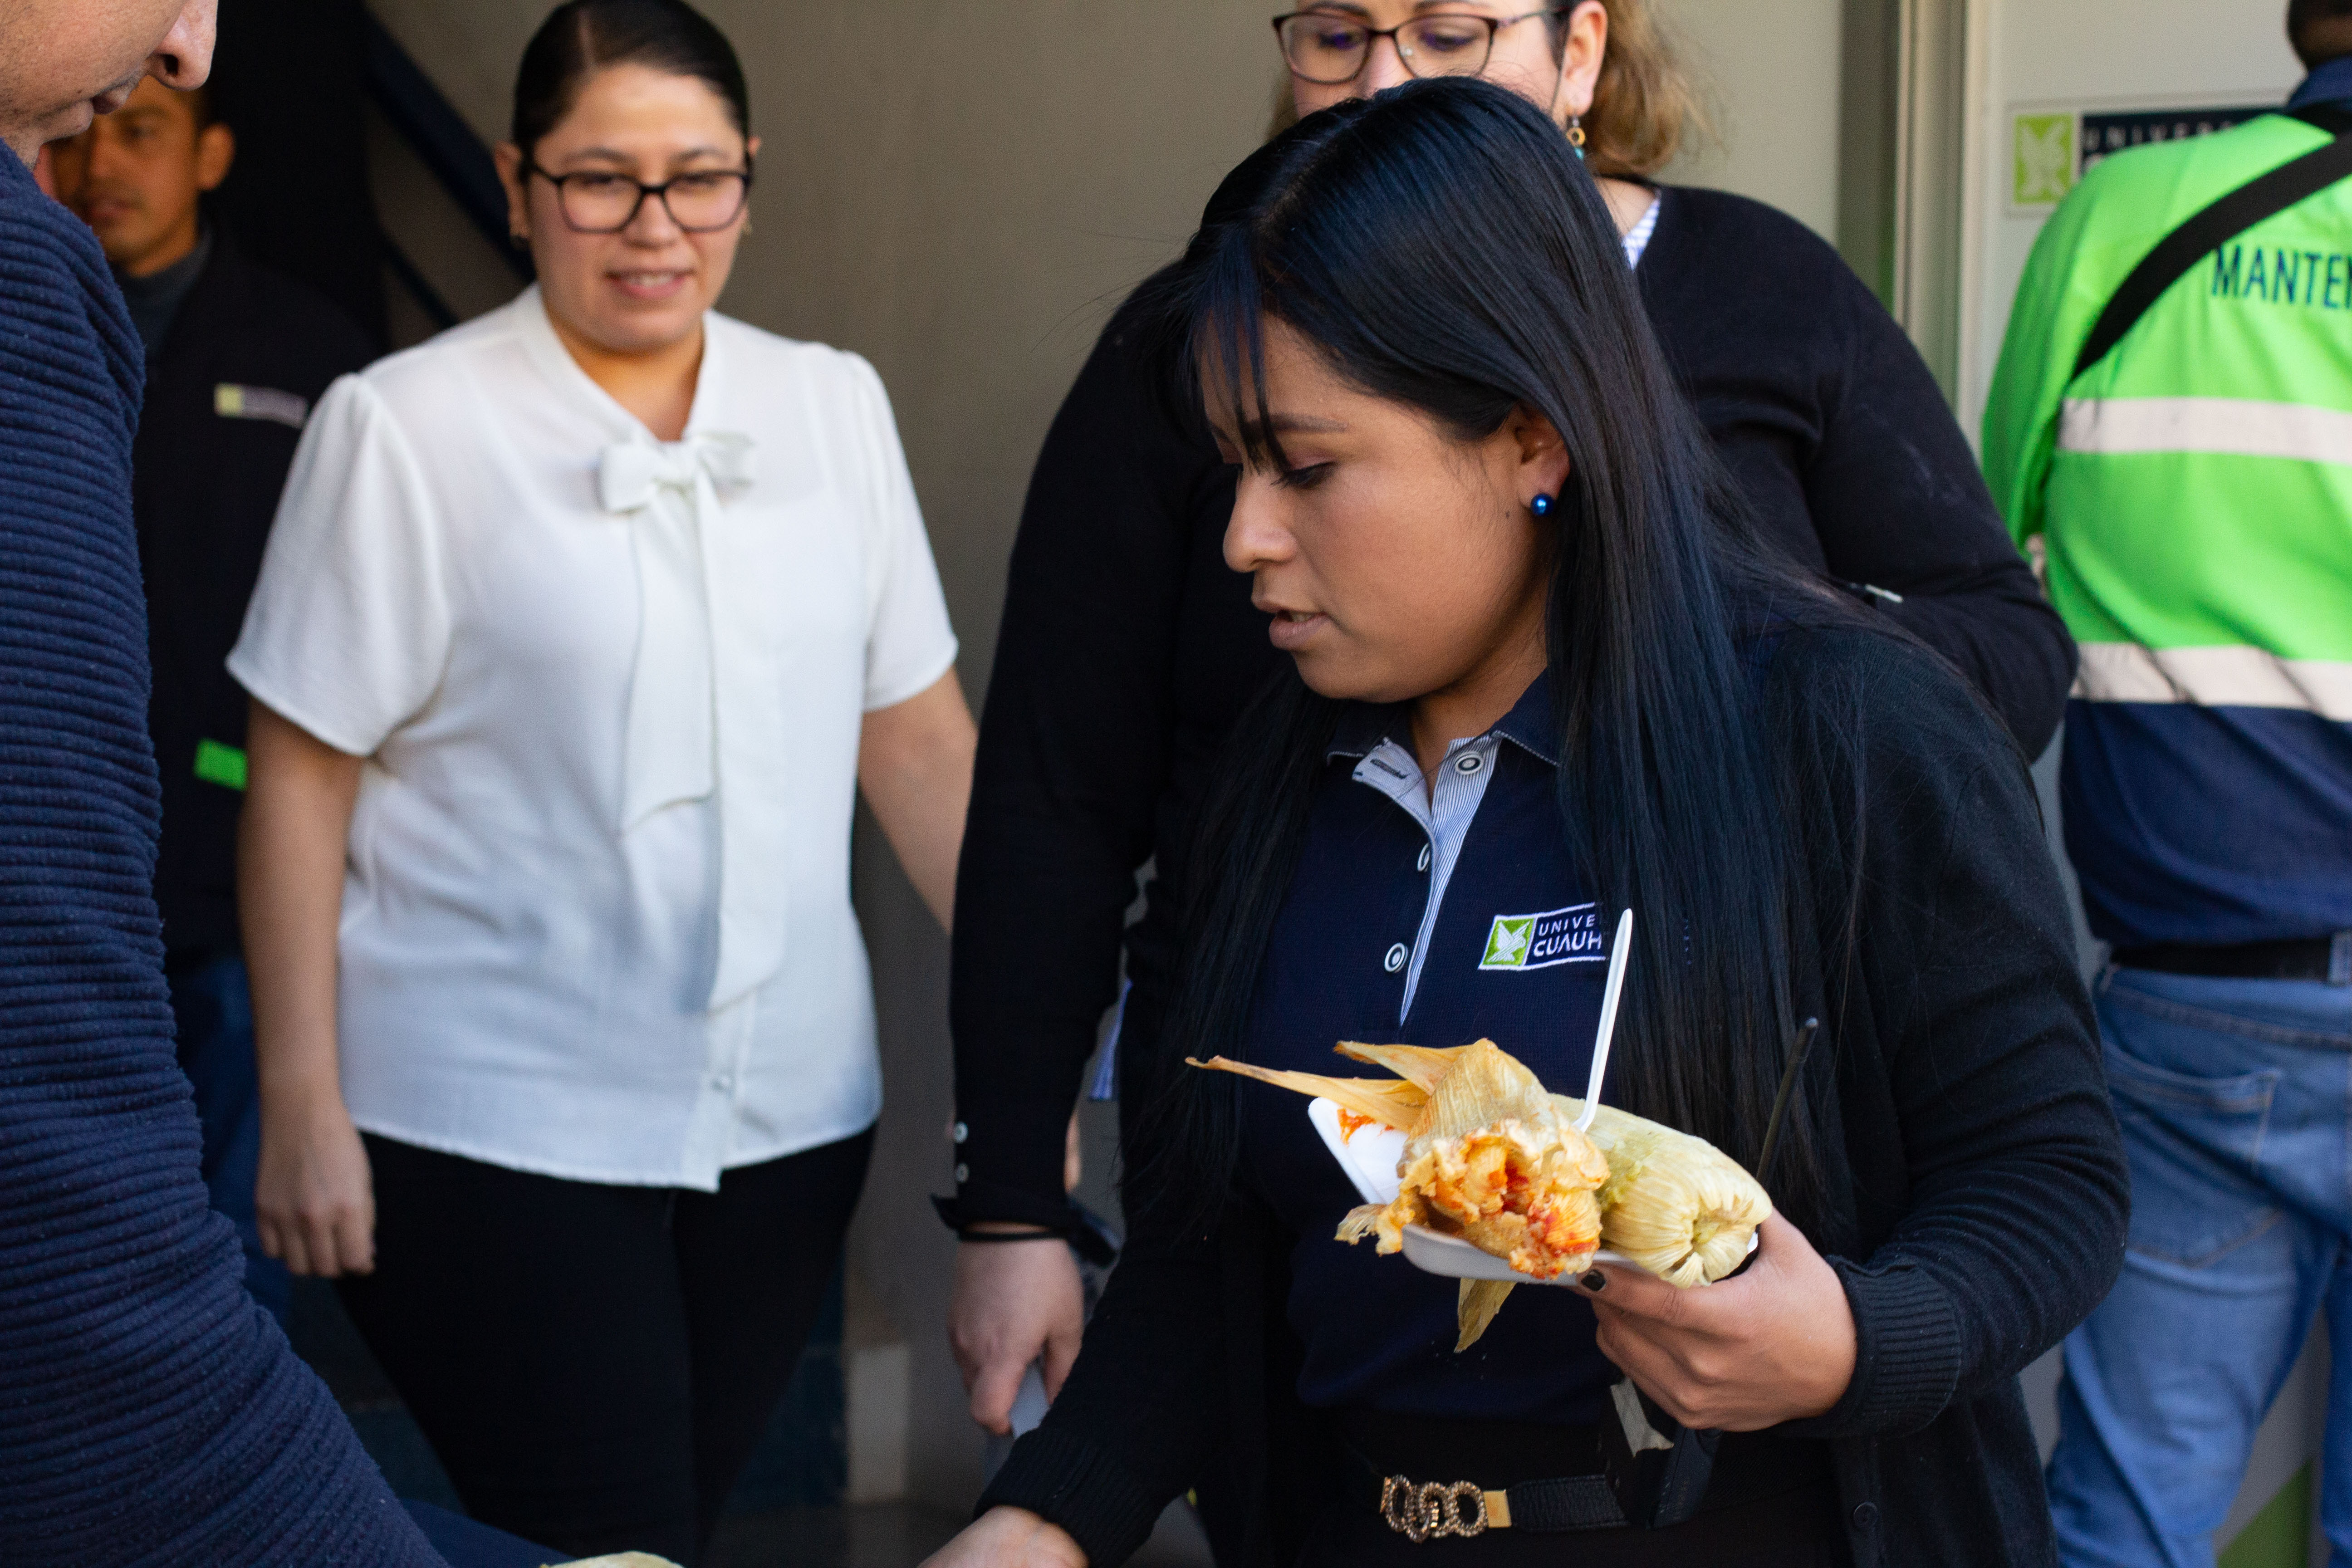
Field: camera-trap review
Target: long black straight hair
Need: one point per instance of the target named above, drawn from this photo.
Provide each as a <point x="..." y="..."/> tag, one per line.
<point x="1439" y="245"/>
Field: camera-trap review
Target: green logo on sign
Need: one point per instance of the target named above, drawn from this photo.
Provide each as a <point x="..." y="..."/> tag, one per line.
<point x="2043" y="170"/>
<point x="1507" y="944"/>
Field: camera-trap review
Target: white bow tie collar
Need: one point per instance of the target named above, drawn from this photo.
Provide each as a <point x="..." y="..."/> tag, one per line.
<point x="702" y="720"/>
<point x="634" y="471"/>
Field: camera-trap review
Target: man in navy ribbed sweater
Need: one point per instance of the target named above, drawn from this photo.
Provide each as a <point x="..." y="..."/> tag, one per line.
<point x="149" y="1412"/>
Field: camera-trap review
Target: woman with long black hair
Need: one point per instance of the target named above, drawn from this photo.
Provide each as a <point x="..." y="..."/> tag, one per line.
<point x="1102" y="727"/>
<point x="1542" y="664"/>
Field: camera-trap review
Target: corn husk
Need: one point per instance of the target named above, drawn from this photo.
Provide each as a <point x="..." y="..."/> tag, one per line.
<point x="1475" y="1307"/>
<point x="1389" y="1102"/>
<point x="1674" y="1204"/>
<point x="1487" y="1158"/>
<point x="1420" y="1066"/>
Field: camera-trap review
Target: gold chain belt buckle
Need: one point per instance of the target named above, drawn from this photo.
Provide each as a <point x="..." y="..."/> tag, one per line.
<point x="1433" y="1510"/>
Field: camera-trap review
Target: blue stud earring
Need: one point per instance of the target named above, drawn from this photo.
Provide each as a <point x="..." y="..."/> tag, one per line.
<point x="1540" y="506"/>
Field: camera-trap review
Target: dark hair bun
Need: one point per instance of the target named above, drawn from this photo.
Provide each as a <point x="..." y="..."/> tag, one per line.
<point x="582" y="38"/>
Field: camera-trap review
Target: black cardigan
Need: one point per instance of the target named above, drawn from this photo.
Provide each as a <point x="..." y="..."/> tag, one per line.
<point x="1128" y="647"/>
<point x="1978" y="1187"/>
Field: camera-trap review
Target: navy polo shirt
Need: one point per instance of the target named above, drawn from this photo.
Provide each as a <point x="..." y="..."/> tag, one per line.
<point x="1430" y="921"/>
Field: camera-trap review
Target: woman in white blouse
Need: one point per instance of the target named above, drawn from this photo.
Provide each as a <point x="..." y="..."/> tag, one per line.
<point x="580" y="628"/>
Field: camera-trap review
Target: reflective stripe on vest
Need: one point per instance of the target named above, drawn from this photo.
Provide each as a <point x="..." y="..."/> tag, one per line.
<point x="2215" y="677"/>
<point x="2237" y="428"/>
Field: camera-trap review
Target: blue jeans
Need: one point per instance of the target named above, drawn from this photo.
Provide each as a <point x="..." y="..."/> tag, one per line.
<point x="214" y="1012"/>
<point x="2234" y="1097"/>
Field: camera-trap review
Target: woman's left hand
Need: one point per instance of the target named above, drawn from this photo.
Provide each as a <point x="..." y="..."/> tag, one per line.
<point x="1775" y="1344"/>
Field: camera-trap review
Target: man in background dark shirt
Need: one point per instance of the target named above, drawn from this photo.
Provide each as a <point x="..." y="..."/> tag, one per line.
<point x="236" y="356"/>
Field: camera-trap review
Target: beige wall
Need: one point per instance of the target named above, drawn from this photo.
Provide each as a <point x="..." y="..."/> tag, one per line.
<point x="1770" y="69"/>
<point x="960" y="190"/>
<point x="2040" y="58"/>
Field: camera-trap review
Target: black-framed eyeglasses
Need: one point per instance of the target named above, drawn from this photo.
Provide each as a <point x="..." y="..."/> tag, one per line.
<point x="598" y="201"/>
<point x="1327" y="48"/>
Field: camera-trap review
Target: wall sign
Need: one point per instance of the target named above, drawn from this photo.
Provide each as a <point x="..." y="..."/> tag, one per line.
<point x="2052" y="148"/>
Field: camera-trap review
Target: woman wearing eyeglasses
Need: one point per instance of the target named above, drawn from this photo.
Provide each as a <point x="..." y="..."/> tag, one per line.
<point x="581" y="627"/>
<point x="1100" y="725"/>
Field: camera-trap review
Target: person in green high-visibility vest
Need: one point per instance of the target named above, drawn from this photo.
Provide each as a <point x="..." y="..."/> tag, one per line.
<point x="2170" y="432"/>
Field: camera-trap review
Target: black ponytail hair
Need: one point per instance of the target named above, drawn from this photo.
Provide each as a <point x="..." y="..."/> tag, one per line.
<point x="582" y="38"/>
<point x="1439" y="245"/>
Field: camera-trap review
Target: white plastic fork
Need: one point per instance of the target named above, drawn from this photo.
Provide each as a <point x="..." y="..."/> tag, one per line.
<point x="1619" y="953"/>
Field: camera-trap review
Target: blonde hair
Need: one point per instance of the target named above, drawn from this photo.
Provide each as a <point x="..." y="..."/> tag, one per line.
<point x="1645" y="106"/>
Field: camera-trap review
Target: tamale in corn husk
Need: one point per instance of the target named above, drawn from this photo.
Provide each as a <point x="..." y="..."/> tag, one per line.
<point x="1494" y="1163"/>
<point x="1676" y="1205"/>
<point x="1487" y="1158"/>
<point x="1670" y="1203"/>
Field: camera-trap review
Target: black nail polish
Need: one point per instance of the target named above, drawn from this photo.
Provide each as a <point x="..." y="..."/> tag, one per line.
<point x="1596" y="1282"/>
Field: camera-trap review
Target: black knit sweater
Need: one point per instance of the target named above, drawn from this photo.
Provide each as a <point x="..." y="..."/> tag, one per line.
<point x="1128" y="647"/>
<point x="1978" y="1188"/>
<point x="149" y="1411"/>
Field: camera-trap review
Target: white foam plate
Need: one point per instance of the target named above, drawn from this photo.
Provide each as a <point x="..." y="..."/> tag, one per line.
<point x="1456" y="1258"/>
<point x="1368" y="1158"/>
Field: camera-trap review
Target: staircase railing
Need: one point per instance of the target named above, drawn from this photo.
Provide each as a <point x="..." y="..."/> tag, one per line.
<point x="451" y="152"/>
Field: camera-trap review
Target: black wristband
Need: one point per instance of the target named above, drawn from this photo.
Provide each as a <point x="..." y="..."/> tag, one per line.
<point x="1094" y="1241"/>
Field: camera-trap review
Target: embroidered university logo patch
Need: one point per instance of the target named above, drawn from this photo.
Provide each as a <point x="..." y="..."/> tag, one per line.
<point x="1571" y="935"/>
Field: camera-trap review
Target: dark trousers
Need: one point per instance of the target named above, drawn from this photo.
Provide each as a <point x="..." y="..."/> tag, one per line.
<point x="593" y="1365"/>
<point x="213" y="1014"/>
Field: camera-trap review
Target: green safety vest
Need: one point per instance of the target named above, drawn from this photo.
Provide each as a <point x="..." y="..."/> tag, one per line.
<point x="2192" y="491"/>
<point x="2189" y="499"/>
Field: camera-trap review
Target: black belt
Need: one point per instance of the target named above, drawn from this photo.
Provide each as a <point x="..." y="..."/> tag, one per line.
<point x="2328" y="958"/>
<point x="1577" y="1495"/>
<point x="1424" y="1511"/>
<point x="1431" y="1509"/>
